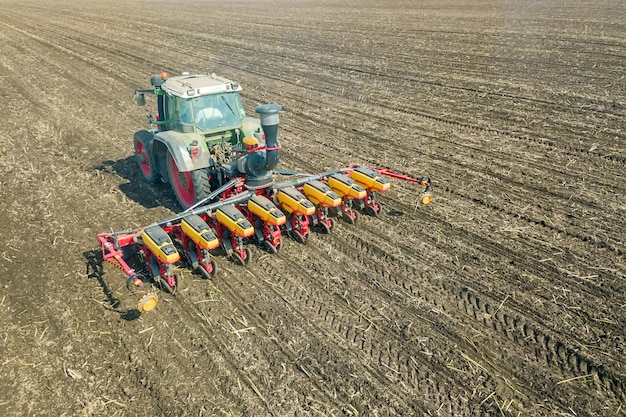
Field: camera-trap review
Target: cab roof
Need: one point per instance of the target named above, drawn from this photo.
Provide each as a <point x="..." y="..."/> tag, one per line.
<point x="195" y="85"/>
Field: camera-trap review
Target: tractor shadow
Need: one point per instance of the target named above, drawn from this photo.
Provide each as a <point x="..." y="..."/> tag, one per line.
<point x="137" y="189"/>
<point x="95" y="271"/>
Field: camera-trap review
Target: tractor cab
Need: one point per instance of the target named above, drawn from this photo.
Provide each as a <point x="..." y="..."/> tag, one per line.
<point x="201" y="104"/>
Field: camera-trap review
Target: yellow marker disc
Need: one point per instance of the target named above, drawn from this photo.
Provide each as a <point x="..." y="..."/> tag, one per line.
<point x="147" y="302"/>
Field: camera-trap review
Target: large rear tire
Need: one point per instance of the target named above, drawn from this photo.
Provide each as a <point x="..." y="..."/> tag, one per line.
<point x="145" y="158"/>
<point x="189" y="187"/>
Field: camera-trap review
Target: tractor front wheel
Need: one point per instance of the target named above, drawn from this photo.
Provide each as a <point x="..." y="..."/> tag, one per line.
<point x="189" y="187"/>
<point x="145" y="158"/>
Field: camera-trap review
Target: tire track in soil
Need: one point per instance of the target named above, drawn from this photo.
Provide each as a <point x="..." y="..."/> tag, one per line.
<point x="406" y="362"/>
<point x="548" y="349"/>
<point x="322" y="367"/>
<point x="142" y="375"/>
<point x="570" y="359"/>
<point x="321" y="358"/>
<point x="550" y="272"/>
<point x="324" y="358"/>
<point x="196" y="337"/>
<point x="326" y="362"/>
<point x="394" y="358"/>
<point x="583" y="238"/>
<point x="608" y="288"/>
<point x="430" y="300"/>
<point x="553" y="351"/>
<point x="324" y="313"/>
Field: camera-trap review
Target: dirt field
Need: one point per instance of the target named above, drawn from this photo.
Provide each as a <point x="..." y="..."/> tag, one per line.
<point x="504" y="297"/>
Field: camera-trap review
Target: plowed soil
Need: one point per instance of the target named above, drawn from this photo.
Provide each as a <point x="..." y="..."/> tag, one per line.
<point x="504" y="297"/>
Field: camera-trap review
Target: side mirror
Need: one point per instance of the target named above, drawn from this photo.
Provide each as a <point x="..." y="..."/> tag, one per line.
<point x="140" y="99"/>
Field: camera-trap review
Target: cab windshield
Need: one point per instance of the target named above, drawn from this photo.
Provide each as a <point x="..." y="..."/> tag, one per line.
<point x="217" y="111"/>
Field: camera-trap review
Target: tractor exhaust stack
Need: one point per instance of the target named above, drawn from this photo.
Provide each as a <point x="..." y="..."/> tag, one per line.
<point x="270" y="123"/>
<point x="258" y="164"/>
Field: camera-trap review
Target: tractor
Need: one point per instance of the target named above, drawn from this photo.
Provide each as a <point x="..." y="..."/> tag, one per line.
<point x="221" y="165"/>
<point x="200" y="129"/>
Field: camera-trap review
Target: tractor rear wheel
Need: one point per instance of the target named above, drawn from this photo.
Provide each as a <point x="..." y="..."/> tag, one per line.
<point x="189" y="187"/>
<point x="145" y="158"/>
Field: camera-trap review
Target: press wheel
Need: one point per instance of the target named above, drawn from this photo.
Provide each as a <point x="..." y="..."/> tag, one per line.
<point x="299" y="237"/>
<point x="244" y="258"/>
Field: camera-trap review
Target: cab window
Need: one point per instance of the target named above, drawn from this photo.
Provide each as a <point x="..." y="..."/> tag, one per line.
<point x="179" y="114"/>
